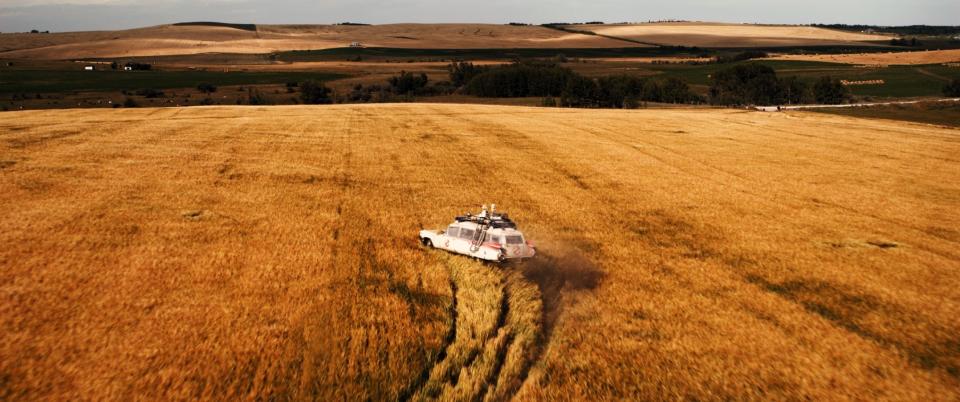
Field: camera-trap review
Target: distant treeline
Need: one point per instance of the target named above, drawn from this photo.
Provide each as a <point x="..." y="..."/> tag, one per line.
<point x="742" y="56"/>
<point x="131" y="65"/>
<point x="927" y="30"/>
<point x="574" y="23"/>
<point x="550" y="80"/>
<point x="952" y="89"/>
<point x="738" y="85"/>
<point x="757" y="84"/>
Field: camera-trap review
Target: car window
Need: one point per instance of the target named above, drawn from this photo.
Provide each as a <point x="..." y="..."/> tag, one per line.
<point x="466" y="233"/>
<point x="514" y="239"/>
<point x="452" y="231"/>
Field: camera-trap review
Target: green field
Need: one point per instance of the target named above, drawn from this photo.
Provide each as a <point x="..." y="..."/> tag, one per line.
<point x="51" y="81"/>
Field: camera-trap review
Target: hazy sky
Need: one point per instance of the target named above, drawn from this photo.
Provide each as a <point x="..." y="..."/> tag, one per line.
<point x="70" y="15"/>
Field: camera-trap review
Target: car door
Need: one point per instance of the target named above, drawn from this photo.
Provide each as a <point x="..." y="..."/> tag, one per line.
<point x="450" y="238"/>
<point x="464" y="241"/>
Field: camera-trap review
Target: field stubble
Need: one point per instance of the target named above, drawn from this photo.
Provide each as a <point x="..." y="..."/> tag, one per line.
<point x="243" y="253"/>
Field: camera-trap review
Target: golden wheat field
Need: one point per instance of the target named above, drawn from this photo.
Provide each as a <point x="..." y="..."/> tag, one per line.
<point x="884" y="59"/>
<point x="712" y="34"/>
<point x="165" y="40"/>
<point x="251" y="253"/>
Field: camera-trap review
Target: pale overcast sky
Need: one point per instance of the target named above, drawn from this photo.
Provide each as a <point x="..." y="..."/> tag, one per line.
<point x="71" y="15"/>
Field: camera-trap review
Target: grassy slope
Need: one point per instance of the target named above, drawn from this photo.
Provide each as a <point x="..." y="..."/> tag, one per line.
<point x="709" y="254"/>
<point x="945" y="114"/>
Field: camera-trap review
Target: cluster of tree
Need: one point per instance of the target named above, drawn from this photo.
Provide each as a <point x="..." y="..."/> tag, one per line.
<point x="549" y="80"/>
<point x="952" y="89"/>
<point x="462" y="72"/>
<point x="408" y="83"/>
<point x="315" y="93"/>
<point x="623" y="91"/>
<point x="519" y="79"/>
<point x="362" y="94"/>
<point x="133" y="66"/>
<point x="147" y="93"/>
<point x="924" y="30"/>
<point x="26" y="96"/>
<point x="518" y="24"/>
<point x="37" y="31"/>
<point x="255" y="97"/>
<point x="359" y="24"/>
<point x="207" y="88"/>
<point x="757" y="84"/>
<point x="574" y="23"/>
<point x="401" y="87"/>
<point x="742" y="56"/>
<point x="830" y="91"/>
<point x="905" y="42"/>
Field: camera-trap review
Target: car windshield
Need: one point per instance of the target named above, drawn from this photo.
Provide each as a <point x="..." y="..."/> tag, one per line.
<point x="514" y="239"/>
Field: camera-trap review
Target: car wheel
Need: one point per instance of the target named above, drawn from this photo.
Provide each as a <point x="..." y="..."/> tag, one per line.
<point x="426" y="242"/>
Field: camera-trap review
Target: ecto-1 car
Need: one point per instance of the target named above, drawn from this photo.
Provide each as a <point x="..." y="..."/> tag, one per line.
<point x="488" y="236"/>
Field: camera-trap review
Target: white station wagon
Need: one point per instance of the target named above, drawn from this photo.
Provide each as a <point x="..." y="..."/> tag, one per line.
<point x="489" y="236"/>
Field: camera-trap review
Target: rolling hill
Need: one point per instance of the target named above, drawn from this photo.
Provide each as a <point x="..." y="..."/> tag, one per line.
<point x="199" y="38"/>
<point x="721" y="35"/>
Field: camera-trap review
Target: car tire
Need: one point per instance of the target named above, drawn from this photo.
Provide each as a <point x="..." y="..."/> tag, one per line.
<point x="426" y="242"/>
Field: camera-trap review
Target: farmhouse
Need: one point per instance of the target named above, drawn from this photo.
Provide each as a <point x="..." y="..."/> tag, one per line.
<point x="356" y="44"/>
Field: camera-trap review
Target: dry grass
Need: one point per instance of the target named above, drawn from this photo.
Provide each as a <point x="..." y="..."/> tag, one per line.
<point x="882" y="59"/>
<point x="243" y="252"/>
<point x="707" y="34"/>
<point x="187" y="40"/>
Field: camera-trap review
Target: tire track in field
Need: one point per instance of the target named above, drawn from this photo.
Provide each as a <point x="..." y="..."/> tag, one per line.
<point x="548" y="276"/>
<point x="497" y="324"/>
<point x="442" y="353"/>
<point x="494" y="334"/>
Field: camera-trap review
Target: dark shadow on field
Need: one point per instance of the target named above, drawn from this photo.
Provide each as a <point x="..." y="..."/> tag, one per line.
<point x="557" y="274"/>
<point x="850" y="309"/>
